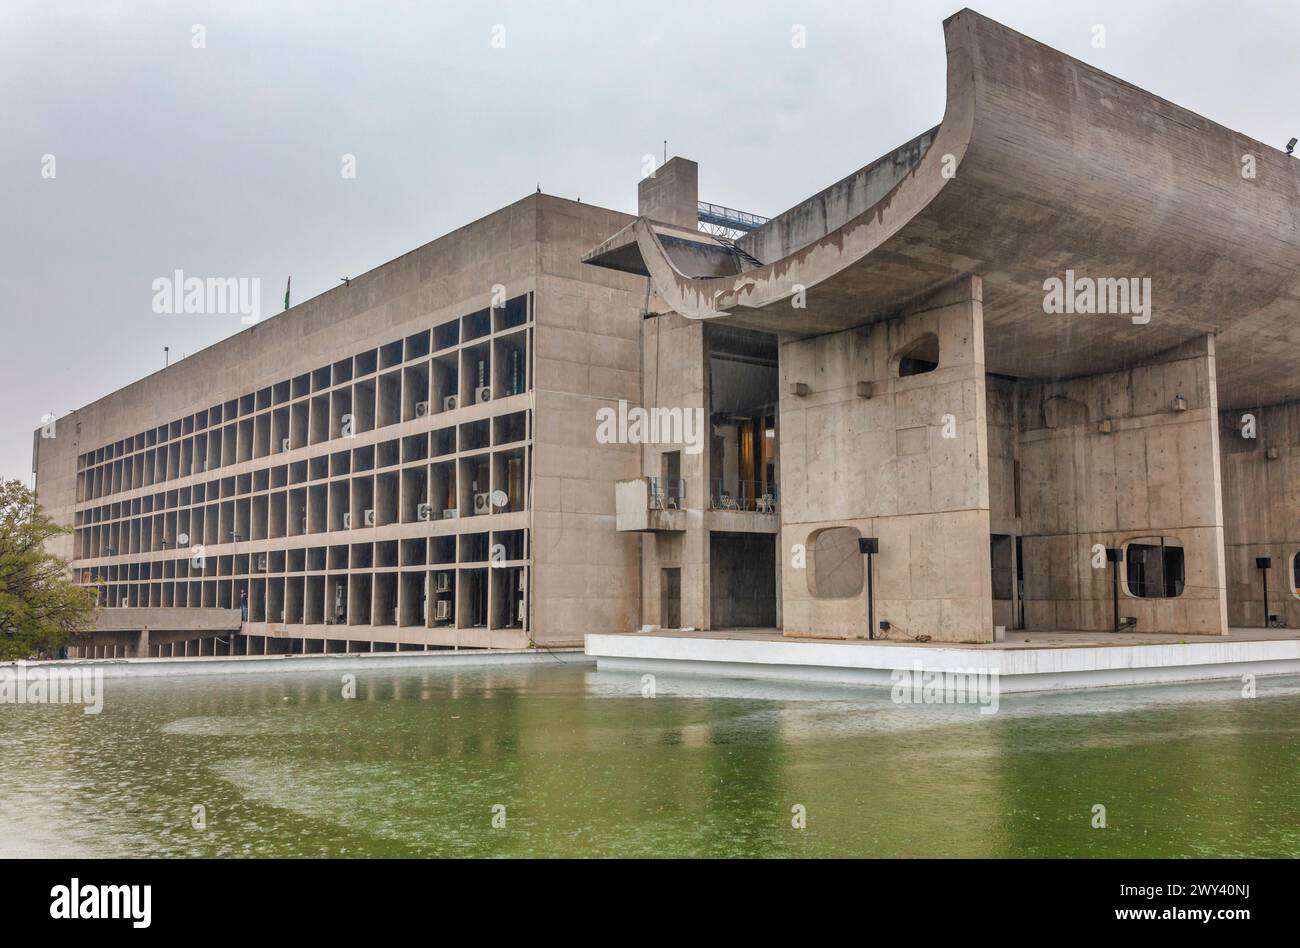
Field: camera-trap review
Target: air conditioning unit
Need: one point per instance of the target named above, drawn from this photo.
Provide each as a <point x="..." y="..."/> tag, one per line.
<point x="449" y="403"/>
<point x="521" y="580"/>
<point x="284" y="444"/>
<point x="421" y="409"/>
<point x="368" y="517"/>
<point x="443" y="583"/>
<point x="340" y="610"/>
<point x="424" y="512"/>
<point x="347" y="521"/>
<point x="483" y="393"/>
<point x="482" y="503"/>
<point x="442" y="609"/>
<point x="449" y="514"/>
<point x="261" y="563"/>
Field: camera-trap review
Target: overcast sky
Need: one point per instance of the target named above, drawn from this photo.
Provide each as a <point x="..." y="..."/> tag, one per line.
<point x="225" y="160"/>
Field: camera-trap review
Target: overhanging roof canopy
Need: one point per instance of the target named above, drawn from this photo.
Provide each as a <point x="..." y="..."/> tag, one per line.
<point x="1042" y="164"/>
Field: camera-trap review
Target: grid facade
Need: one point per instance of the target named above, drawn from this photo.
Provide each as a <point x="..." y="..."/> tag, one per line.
<point x="388" y="488"/>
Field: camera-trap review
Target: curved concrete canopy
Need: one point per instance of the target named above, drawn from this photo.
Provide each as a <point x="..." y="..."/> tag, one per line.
<point x="1041" y="164"/>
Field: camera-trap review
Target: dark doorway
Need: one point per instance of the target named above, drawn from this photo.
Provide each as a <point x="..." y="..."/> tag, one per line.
<point x="742" y="580"/>
<point x="670" y="598"/>
<point x="1002" y="559"/>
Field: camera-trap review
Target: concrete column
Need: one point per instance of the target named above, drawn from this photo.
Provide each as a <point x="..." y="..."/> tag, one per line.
<point x="896" y="454"/>
<point x="675" y="376"/>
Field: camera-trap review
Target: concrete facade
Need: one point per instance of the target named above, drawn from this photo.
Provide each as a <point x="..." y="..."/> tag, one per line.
<point x="1019" y="463"/>
<point x="339" y="471"/>
<point x="904" y="460"/>
<point x="1260" y="451"/>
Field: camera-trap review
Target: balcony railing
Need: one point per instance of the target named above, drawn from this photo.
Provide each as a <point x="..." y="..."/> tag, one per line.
<point x="753" y="496"/>
<point x="666" y="493"/>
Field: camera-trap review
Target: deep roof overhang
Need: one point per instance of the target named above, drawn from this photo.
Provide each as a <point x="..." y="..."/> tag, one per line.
<point x="1041" y="164"/>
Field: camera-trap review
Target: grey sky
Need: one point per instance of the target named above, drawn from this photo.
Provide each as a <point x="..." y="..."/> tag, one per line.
<point x="225" y="161"/>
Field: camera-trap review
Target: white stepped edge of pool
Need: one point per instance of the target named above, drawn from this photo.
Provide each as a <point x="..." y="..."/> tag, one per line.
<point x="1031" y="669"/>
<point x="338" y="661"/>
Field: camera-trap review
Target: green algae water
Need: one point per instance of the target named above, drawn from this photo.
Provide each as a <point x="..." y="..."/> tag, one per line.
<point x="569" y="761"/>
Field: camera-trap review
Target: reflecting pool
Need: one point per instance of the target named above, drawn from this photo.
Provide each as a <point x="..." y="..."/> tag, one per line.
<point x="563" y="760"/>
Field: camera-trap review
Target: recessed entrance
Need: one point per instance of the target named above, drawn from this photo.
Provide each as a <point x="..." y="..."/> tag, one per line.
<point x="742" y="580"/>
<point x="670" y="598"/>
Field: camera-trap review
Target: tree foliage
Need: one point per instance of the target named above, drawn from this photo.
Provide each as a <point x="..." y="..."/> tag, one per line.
<point x="40" y="607"/>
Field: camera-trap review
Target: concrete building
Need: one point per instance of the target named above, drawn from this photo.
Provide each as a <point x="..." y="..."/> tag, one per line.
<point x="402" y="462"/>
<point x="1055" y="330"/>
<point x="1045" y="356"/>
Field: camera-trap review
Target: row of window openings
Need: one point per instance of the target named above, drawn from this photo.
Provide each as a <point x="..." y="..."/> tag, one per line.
<point x="392" y="399"/>
<point x="471" y="487"/>
<point x="482" y="597"/>
<point x="497" y="547"/>
<point x="512" y="314"/>
<point x="473" y="436"/>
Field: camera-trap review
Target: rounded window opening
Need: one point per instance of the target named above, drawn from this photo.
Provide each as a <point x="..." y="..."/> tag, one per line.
<point x="835" y="570"/>
<point x="920" y="357"/>
<point x="1155" y="568"/>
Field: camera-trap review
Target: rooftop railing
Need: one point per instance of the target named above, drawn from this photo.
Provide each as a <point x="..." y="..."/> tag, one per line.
<point x="718" y="216"/>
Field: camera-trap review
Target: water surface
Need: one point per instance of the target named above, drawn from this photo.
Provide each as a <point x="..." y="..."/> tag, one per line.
<point x="585" y="765"/>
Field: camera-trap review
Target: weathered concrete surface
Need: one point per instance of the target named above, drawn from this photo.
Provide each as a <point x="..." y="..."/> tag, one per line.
<point x="167" y="620"/>
<point x="1155" y="473"/>
<point x="832" y="208"/>
<point x="674" y="372"/>
<point x="1261" y="501"/>
<point x="908" y="465"/>
<point x="670" y="192"/>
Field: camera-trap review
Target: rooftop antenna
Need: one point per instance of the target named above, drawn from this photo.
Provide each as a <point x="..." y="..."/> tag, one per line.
<point x="665" y="151"/>
<point x="167" y="356"/>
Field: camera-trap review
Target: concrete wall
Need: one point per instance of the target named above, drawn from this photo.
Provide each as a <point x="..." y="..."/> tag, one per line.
<point x="1004" y="519"/>
<point x="1155" y="474"/>
<point x="674" y="368"/>
<point x="884" y="466"/>
<point x="1261" y="511"/>
<point x="587" y="575"/>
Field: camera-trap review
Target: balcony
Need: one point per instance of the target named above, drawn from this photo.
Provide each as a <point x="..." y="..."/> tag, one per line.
<point x="750" y="496"/>
<point x="646" y="504"/>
